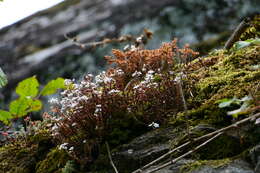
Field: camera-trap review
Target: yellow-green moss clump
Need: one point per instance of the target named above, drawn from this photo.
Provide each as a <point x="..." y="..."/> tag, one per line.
<point x="253" y="31"/>
<point x="212" y="163"/>
<point x="221" y="75"/>
<point x="33" y="154"/>
<point x="54" y="162"/>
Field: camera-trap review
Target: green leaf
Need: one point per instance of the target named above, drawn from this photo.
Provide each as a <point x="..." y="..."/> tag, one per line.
<point x="53" y="86"/>
<point x="3" y="79"/>
<point x="242" y="44"/>
<point x="35" y="105"/>
<point x="225" y="102"/>
<point x="239" y="111"/>
<point x="5" y="116"/>
<point x="28" y="87"/>
<point x="20" y="106"/>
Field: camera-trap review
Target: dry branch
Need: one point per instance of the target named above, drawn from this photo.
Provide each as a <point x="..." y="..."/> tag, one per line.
<point x="235" y="125"/>
<point x="240" y="29"/>
<point x="184" y="155"/>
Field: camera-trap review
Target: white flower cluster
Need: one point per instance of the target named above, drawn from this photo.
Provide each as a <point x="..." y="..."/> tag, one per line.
<point x="54" y="101"/>
<point x="130" y="48"/>
<point x="113" y="91"/>
<point x="136" y="74"/>
<point x="65" y="146"/>
<point x="71" y="98"/>
<point x="98" y="110"/>
<point x="103" y="78"/>
<point x="148" y="82"/>
<point x="154" y="125"/>
<point x="119" y="72"/>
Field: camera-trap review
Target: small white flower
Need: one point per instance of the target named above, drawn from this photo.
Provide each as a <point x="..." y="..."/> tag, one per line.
<point x="54" y="101"/>
<point x="108" y="80"/>
<point x="120" y="72"/>
<point x="144" y="68"/>
<point x="171" y="72"/>
<point x="54" y="127"/>
<point x="136" y="87"/>
<point x="71" y="149"/>
<point x="150" y="72"/>
<point x="127" y="47"/>
<point x="113" y="91"/>
<point x="83" y="98"/>
<point x="129" y="109"/>
<point x="154" y="125"/>
<point x="84" y="141"/>
<point x="98" y="109"/>
<point x="74" y="124"/>
<point x="136" y="74"/>
<point x="133" y="48"/>
<point x="130" y="151"/>
<point x="63" y="146"/>
<point x="139" y="39"/>
<point x="257" y="121"/>
<point x="67" y="82"/>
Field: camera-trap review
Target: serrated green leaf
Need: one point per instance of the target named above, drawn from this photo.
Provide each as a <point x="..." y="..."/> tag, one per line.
<point x="53" y="86"/>
<point x="28" y="87"/>
<point x="20" y="106"/>
<point x="3" y="79"/>
<point x="5" y="116"/>
<point x="36" y="105"/>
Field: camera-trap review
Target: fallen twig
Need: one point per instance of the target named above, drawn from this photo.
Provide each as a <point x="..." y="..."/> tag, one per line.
<point x="184" y="155"/>
<point x="110" y="158"/>
<point x="125" y="38"/>
<point x="253" y="117"/>
<point x="237" y="33"/>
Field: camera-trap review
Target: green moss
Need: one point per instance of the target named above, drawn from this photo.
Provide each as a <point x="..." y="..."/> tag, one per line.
<point x="53" y="163"/>
<point x="212" y="163"/>
<point x="223" y="147"/>
<point x="23" y="155"/>
<point x="254" y="30"/>
<point x="220" y="75"/>
<point x="17" y="160"/>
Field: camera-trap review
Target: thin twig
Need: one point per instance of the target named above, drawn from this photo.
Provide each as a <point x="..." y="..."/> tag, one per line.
<point x="184" y="155"/>
<point x="125" y="38"/>
<point x="110" y="158"/>
<point x="237" y="33"/>
<point x="198" y="139"/>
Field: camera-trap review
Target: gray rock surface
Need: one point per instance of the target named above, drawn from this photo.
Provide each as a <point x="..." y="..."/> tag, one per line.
<point x="255" y="157"/>
<point x="38" y="41"/>
<point x="238" y="166"/>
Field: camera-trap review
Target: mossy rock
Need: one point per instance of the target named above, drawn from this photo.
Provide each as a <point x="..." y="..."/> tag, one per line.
<point x="23" y="155"/>
<point x="222" y="74"/>
<point x="54" y="162"/>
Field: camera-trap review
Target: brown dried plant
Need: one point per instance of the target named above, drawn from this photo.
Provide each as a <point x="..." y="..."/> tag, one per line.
<point x="87" y="111"/>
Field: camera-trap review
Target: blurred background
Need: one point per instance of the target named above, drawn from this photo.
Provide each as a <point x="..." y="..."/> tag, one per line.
<point x="36" y="44"/>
